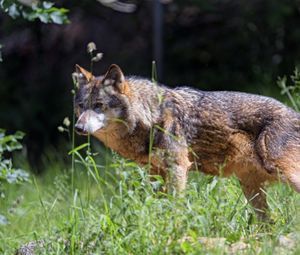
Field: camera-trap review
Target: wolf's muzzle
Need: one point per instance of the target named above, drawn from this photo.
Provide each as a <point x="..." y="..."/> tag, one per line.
<point x="80" y="129"/>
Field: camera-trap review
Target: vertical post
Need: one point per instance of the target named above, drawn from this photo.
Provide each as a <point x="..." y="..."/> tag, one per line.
<point x="158" y="37"/>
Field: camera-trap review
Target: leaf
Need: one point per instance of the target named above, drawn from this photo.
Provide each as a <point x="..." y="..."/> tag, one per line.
<point x="57" y="18"/>
<point x="47" y="5"/>
<point x="80" y="147"/>
<point x="2" y="133"/>
<point x="3" y="220"/>
<point x="19" y="135"/>
<point x="13" y="11"/>
<point x="44" y="17"/>
<point x="16" y="176"/>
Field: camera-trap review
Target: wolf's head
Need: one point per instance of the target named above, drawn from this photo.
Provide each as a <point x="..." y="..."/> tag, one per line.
<point x="100" y="101"/>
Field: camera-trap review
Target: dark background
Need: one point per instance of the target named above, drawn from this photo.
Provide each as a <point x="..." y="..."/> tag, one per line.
<point x="213" y="45"/>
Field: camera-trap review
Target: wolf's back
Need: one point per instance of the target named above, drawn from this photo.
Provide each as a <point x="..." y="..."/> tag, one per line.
<point x="238" y="110"/>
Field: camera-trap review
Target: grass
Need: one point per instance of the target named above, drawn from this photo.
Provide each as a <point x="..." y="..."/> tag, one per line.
<point x="115" y="209"/>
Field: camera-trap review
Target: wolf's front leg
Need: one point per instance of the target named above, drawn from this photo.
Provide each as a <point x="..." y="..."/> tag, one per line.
<point x="176" y="165"/>
<point x="177" y="178"/>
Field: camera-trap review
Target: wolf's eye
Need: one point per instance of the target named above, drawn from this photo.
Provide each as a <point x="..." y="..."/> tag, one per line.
<point x="114" y="102"/>
<point x="98" y="105"/>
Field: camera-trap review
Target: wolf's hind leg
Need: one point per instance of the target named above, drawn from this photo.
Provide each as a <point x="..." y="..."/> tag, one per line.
<point x="253" y="182"/>
<point x="289" y="166"/>
<point x="279" y="151"/>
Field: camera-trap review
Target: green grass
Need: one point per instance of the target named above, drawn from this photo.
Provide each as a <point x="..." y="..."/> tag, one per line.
<point x="115" y="209"/>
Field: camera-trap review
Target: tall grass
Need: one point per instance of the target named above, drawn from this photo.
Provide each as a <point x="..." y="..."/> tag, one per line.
<point x="125" y="215"/>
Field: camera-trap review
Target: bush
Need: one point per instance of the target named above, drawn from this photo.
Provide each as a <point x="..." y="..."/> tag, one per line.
<point x="9" y="174"/>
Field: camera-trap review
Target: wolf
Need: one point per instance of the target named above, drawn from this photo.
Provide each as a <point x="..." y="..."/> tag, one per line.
<point x="255" y="138"/>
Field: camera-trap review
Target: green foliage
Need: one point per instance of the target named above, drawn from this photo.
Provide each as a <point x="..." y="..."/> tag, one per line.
<point x="117" y="209"/>
<point x="8" y="174"/>
<point x="44" y="11"/>
<point x="291" y="91"/>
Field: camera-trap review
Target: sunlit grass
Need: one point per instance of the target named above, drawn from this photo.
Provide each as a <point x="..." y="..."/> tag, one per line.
<point x="122" y="213"/>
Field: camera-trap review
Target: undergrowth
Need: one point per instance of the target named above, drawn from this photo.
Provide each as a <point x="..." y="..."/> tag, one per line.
<point x="124" y="214"/>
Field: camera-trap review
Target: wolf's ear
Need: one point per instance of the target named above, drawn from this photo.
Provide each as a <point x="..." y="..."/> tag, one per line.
<point x="115" y="78"/>
<point x="84" y="76"/>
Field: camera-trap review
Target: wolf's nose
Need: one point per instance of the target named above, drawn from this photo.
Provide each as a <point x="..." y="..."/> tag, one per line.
<point x="79" y="129"/>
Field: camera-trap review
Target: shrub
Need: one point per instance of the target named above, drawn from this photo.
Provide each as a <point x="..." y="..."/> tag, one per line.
<point x="9" y="174"/>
